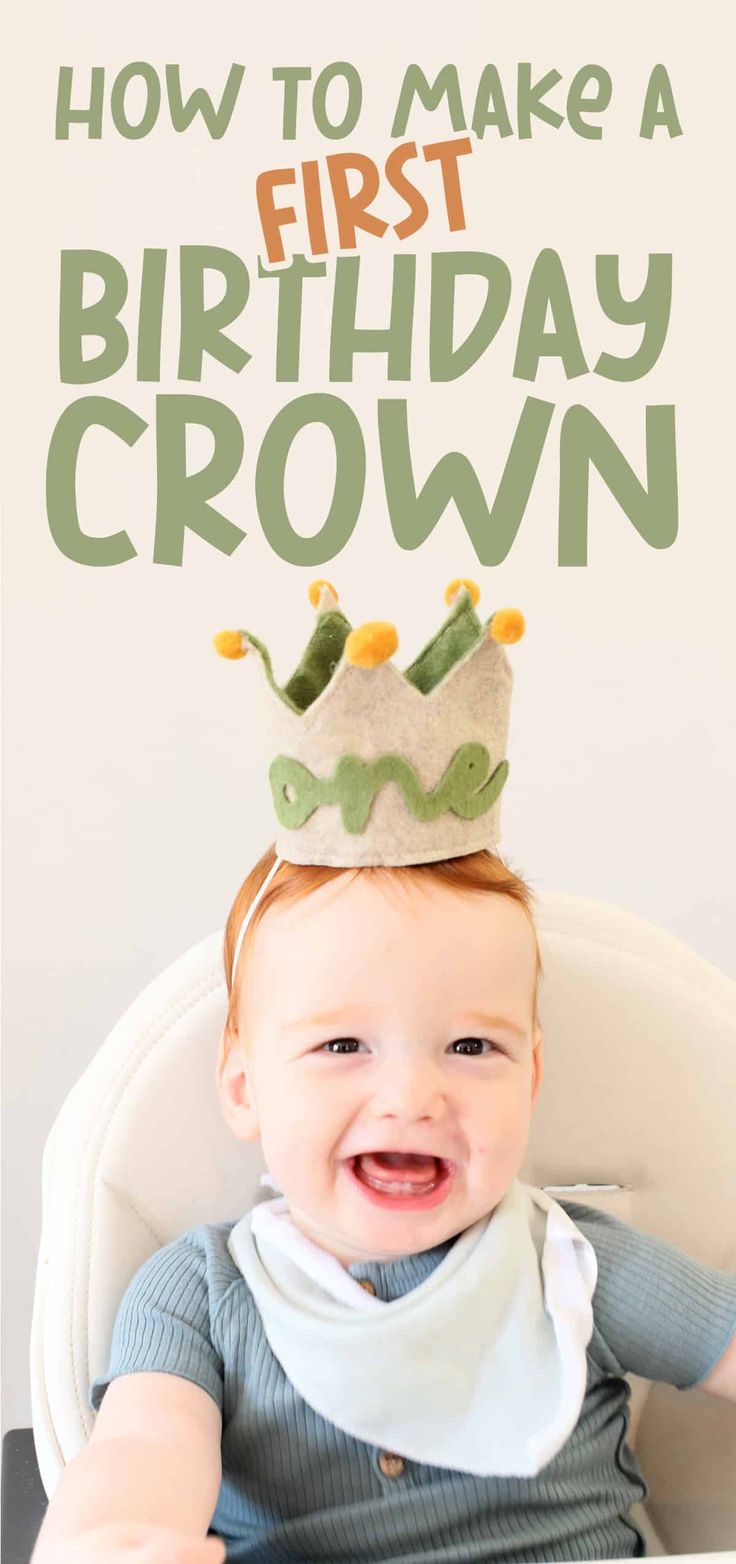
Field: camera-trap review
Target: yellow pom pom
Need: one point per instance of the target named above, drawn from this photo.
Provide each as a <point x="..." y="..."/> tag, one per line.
<point x="371" y="644"/>
<point x="507" y="626"/>
<point x="315" y="588"/>
<point x="452" y="590"/>
<point x="230" y="643"/>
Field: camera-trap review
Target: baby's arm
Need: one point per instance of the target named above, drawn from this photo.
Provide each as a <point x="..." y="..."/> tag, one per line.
<point x="151" y="1472"/>
<point x="722" y="1379"/>
<point x="660" y="1313"/>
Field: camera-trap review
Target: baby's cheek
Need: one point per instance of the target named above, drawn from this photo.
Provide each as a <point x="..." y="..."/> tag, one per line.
<point x="296" y="1120"/>
<point x="505" y="1124"/>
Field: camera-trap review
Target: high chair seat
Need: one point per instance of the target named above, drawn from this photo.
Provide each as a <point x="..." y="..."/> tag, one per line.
<point x="637" y="1102"/>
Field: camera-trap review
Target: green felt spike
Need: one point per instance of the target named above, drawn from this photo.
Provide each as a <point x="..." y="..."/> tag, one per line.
<point x="317" y="666"/>
<point x="461" y="630"/>
<point x="320" y="659"/>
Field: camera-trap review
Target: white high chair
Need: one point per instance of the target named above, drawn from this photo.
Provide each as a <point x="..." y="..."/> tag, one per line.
<point x="639" y="1092"/>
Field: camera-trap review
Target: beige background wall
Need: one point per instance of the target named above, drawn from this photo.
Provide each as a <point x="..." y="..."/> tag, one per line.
<point x="134" y="797"/>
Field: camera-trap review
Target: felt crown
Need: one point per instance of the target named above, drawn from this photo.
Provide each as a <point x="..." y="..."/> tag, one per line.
<point x="374" y="766"/>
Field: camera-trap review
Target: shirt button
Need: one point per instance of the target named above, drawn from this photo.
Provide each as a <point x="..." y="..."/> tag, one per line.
<point x="368" y="1287"/>
<point x="391" y="1465"/>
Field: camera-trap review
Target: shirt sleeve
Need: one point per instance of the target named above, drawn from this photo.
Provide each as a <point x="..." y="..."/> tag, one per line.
<point x="163" y="1322"/>
<point x="661" y="1314"/>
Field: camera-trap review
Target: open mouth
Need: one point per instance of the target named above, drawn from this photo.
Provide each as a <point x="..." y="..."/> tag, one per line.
<point x="401" y="1179"/>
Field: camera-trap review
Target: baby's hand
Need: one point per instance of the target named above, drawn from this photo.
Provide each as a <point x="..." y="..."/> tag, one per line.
<point x="133" y="1542"/>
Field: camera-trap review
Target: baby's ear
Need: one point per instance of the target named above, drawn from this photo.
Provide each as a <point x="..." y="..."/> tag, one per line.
<point x="234" y="1088"/>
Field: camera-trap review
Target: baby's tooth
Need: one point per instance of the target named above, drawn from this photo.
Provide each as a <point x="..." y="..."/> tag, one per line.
<point x="397" y="1188"/>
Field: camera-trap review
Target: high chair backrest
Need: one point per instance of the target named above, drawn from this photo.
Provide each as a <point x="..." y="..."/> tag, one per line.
<point x="638" y="1093"/>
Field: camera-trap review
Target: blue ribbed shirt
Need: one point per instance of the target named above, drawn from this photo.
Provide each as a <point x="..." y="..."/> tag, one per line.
<point x="295" y="1487"/>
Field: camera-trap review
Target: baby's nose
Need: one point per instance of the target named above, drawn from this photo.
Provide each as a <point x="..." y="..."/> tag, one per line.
<point x="413" y="1089"/>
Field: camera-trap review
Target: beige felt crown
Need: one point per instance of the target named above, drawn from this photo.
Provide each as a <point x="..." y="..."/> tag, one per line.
<point x="373" y="766"/>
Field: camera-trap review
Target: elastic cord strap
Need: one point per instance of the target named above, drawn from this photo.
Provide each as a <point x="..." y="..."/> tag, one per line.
<point x="249" y="914"/>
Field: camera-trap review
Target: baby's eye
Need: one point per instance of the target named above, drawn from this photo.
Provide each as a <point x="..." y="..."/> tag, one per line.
<point x="475" y="1044"/>
<point x="339" y="1045"/>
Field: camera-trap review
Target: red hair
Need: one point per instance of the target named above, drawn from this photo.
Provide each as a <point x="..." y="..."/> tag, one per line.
<point x="480" y="872"/>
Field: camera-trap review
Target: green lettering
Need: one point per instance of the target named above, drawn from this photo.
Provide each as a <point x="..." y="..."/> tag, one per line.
<point x="577" y="103"/>
<point x="182" y="497"/>
<point x="415" y="84"/>
<point x="548" y="290"/>
<point x="445" y="361"/>
<point x="529" y="100"/>
<point x="289" y="331"/>
<point x="291" y="76"/>
<point x="653" y="511"/>
<point x="347" y="497"/>
<point x="651" y="309"/>
<point x="152" y="85"/>
<point x="415" y="515"/>
<point x="66" y="115"/>
<point x="99" y="319"/>
<point x="394" y="340"/>
<point x="150" y="315"/>
<point x="202" y="329"/>
<point x="465" y="787"/>
<point x="61" y="476"/>
<point x="353" y="106"/>
<point x="200" y="102"/>
<point x="490" y="92"/>
<point x="659" y="106"/>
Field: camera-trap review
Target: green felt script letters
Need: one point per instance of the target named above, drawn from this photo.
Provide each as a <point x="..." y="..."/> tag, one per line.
<point x="465" y="787"/>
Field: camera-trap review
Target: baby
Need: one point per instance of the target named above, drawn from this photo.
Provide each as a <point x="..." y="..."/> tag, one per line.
<point x="407" y="1356"/>
<point x="383" y="1044"/>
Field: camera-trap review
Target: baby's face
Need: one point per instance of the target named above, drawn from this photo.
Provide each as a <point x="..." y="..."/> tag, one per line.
<point x="395" y="1019"/>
